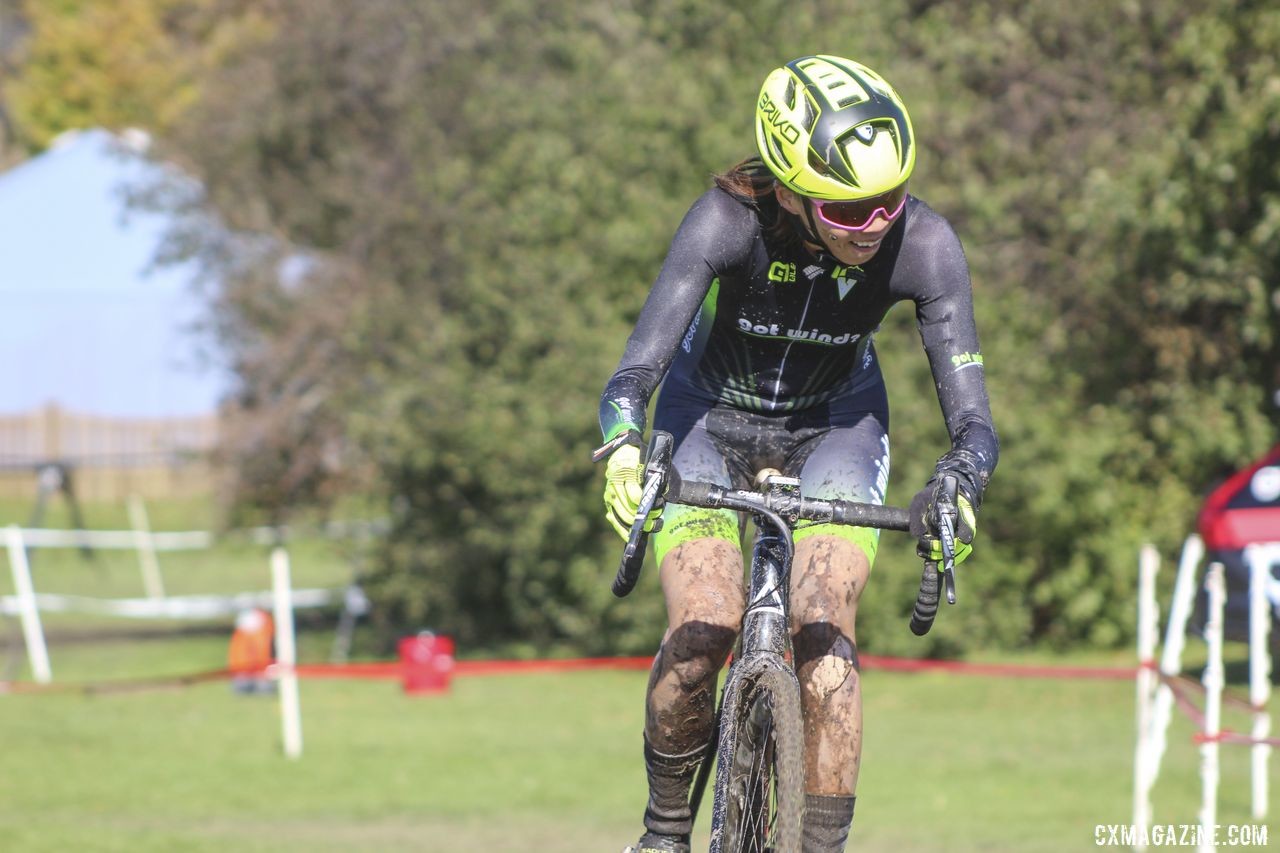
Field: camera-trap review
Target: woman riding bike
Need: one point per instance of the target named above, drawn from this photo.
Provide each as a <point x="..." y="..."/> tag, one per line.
<point x="759" y="329"/>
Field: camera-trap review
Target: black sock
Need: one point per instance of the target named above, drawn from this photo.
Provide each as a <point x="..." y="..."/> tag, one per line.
<point x="826" y="823"/>
<point x="670" y="776"/>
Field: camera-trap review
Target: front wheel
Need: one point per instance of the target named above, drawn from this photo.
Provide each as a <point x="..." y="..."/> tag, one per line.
<point x="759" y="794"/>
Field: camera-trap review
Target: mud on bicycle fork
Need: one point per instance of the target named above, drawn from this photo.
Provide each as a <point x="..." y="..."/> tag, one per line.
<point x="766" y="619"/>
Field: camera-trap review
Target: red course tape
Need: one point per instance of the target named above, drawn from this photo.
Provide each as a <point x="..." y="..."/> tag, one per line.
<point x="394" y="670"/>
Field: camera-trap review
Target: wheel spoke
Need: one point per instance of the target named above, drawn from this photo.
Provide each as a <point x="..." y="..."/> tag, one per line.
<point x="759" y="786"/>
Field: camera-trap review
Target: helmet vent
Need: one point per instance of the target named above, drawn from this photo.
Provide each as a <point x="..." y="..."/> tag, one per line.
<point x="778" y="151"/>
<point x="815" y="163"/>
<point x="833" y="84"/>
<point x="810" y="115"/>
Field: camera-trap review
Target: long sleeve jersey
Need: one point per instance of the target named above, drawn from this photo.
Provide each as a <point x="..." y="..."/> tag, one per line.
<point x="748" y="322"/>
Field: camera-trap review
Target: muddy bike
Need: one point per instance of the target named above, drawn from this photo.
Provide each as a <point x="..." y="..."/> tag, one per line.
<point x="758" y="744"/>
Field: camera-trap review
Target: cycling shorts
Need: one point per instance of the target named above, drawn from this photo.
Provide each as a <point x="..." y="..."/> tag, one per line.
<point x="838" y="449"/>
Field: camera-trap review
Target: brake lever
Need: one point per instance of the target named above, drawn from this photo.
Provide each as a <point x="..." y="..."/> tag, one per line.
<point x="637" y="542"/>
<point x="947" y="517"/>
<point x="648" y="500"/>
<point x="604" y="451"/>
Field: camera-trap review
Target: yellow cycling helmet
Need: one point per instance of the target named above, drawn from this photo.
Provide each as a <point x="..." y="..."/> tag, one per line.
<point x="833" y="129"/>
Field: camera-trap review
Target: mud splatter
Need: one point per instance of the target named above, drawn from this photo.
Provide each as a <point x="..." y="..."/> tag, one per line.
<point x="827" y="581"/>
<point x="702" y="583"/>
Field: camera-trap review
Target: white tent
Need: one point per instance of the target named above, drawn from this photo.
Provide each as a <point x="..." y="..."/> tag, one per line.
<point x="86" y="318"/>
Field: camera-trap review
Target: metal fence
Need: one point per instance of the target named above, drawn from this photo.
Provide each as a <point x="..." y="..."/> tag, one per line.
<point x="109" y="458"/>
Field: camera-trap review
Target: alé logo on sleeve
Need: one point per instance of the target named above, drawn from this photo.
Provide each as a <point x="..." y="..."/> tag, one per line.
<point x="782" y="272"/>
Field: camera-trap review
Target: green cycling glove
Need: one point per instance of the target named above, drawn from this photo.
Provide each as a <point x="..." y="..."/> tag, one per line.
<point x="623" y="488"/>
<point x="962" y="465"/>
<point x="924" y="514"/>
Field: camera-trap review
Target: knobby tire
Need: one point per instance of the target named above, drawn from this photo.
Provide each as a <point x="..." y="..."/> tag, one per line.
<point x="759" y="792"/>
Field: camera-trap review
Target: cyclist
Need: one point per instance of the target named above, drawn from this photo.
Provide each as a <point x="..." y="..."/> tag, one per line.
<point x="759" y="327"/>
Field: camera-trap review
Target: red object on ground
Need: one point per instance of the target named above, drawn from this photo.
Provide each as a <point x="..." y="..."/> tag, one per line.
<point x="426" y="663"/>
<point x="250" y="650"/>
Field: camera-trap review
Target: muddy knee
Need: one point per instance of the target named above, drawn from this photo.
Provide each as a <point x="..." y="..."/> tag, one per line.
<point x="681" y="702"/>
<point x="694" y="652"/>
<point x="825" y="658"/>
<point x="702" y="583"/>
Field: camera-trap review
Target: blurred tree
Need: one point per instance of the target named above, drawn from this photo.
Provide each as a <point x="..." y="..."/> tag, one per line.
<point x="97" y="64"/>
<point x="457" y="209"/>
<point x="1174" y="323"/>
<point x="125" y="63"/>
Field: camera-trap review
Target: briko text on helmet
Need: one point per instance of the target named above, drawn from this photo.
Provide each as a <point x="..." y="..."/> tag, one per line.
<point x="773" y="114"/>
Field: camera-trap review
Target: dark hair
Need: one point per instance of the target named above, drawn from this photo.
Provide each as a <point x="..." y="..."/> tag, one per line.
<point x="751" y="183"/>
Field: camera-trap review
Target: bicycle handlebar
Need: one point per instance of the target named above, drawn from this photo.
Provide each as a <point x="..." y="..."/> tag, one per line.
<point x="926" y="607"/>
<point x="662" y="481"/>
<point x="790" y="507"/>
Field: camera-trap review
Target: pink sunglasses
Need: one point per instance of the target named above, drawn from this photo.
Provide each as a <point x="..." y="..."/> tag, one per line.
<point x="859" y="214"/>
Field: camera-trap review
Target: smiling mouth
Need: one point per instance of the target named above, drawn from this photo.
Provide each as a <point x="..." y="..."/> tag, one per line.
<point x="870" y="245"/>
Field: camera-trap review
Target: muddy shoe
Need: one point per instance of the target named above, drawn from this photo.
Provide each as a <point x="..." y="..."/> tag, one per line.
<point x="653" y="843"/>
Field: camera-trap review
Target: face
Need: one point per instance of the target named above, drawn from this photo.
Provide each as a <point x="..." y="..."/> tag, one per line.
<point x="846" y="245"/>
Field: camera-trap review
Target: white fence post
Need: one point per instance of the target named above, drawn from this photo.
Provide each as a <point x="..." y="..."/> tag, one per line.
<point x="1259" y="559"/>
<point x="1148" y="629"/>
<point x="32" y="630"/>
<point x="1213" y="682"/>
<point x="1175" y="640"/>
<point x="286" y="654"/>
<point x="152" y="583"/>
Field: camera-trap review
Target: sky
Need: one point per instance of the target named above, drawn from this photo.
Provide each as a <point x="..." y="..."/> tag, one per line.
<point x="86" y="321"/>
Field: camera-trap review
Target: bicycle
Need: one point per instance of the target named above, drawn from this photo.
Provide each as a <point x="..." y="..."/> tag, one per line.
<point x="758" y="740"/>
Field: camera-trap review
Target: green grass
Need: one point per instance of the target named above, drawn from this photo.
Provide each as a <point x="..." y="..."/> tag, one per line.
<point x="542" y="762"/>
<point x="514" y="763"/>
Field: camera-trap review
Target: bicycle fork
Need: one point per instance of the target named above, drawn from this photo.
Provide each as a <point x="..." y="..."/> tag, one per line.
<point x="764" y="623"/>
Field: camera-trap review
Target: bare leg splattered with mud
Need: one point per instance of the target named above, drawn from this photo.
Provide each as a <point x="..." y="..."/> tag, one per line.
<point x="702" y="584"/>
<point x="827" y="579"/>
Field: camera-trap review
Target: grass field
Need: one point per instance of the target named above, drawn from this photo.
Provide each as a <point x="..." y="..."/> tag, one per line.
<point x="542" y="762"/>
<point x="510" y="763"/>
